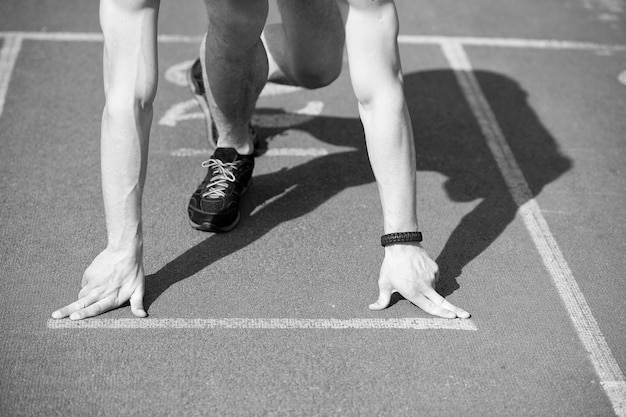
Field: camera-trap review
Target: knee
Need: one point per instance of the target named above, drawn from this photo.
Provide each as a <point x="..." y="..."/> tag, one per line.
<point x="311" y="77"/>
<point x="315" y="71"/>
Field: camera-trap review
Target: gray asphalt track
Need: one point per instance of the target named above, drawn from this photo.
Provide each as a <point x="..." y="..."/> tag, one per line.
<point x="307" y="249"/>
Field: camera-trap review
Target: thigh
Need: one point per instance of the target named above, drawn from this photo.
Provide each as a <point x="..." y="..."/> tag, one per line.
<point x="313" y="26"/>
<point x="307" y="46"/>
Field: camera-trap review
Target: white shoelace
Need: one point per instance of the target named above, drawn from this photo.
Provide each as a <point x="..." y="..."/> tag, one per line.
<point x="222" y="175"/>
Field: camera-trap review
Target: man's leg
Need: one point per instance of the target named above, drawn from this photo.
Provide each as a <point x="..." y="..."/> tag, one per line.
<point x="236" y="67"/>
<point x="305" y="26"/>
<point x="306" y="48"/>
<point x="235" y="71"/>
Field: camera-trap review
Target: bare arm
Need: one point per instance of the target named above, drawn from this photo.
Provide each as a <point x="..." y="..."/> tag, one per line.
<point x="371" y="41"/>
<point x="130" y="78"/>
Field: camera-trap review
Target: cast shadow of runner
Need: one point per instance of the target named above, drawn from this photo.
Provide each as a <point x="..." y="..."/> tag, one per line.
<point x="448" y="141"/>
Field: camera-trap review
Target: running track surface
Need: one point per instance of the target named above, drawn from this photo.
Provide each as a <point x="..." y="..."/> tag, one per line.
<point x="518" y="109"/>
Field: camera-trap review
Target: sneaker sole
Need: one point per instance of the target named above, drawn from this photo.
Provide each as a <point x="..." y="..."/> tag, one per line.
<point x="210" y="227"/>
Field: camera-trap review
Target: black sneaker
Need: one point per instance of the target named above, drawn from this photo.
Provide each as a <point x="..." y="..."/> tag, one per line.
<point x="214" y="207"/>
<point x="195" y="82"/>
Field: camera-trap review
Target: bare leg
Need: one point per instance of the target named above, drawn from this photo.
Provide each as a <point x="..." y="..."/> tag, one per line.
<point x="306" y="48"/>
<point x="235" y="63"/>
<point x="236" y="67"/>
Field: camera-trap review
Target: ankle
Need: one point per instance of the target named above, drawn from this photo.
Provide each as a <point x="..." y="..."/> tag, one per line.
<point x="238" y="139"/>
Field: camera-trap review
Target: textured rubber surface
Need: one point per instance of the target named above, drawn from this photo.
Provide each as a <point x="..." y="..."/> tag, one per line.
<point x="307" y="247"/>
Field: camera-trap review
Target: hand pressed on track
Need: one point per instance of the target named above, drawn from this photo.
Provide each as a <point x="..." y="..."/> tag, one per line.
<point x="112" y="279"/>
<point x="409" y="270"/>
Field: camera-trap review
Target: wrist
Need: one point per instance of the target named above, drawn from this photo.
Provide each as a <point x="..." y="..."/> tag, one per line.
<point x="400" y="226"/>
<point x="128" y="239"/>
<point x="391" y="239"/>
<point x="128" y="247"/>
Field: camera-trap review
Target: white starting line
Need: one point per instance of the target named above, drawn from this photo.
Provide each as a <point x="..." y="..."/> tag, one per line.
<point x="268" y="323"/>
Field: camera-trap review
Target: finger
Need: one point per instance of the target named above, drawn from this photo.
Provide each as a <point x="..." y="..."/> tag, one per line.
<point x="437" y="299"/>
<point x="428" y="306"/>
<point x="75" y="306"/>
<point x="384" y="297"/>
<point x="460" y="313"/>
<point x="84" y="292"/>
<point x="136" y="303"/>
<point x="94" y="309"/>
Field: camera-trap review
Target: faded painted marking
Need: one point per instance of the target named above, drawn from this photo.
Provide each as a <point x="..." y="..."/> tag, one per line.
<point x="586" y="326"/>
<point x="273" y="199"/>
<point x="179" y="112"/>
<point x="609" y="11"/>
<point x="313" y="108"/>
<point x="610" y="6"/>
<point x="177" y="73"/>
<point x="185" y="152"/>
<point x="622" y="77"/>
<point x="273" y="89"/>
<point x="11" y="47"/>
<point x="268" y="323"/>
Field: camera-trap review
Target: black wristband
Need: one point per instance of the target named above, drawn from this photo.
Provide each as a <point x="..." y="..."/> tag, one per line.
<point x="393" y="238"/>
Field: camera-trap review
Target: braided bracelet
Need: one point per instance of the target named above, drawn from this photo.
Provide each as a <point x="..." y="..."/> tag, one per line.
<point x="393" y="238"/>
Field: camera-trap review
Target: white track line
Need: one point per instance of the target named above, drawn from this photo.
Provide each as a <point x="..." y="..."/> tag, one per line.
<point x="11" y="46"/>
<point x="91" y="37"/>
<point x="303" y="152"/>
<point x="510" y="43"/>
<point x="268" y="323"/>
<point x="604" y="363"/>
<point x="407" y="39"/>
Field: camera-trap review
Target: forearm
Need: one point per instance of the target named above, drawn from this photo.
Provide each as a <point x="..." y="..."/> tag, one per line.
<point x="392" y="157"/>
<point x="130" y="75"/>
<point x="371" y="39"/>
<point x="123" y="164"/>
